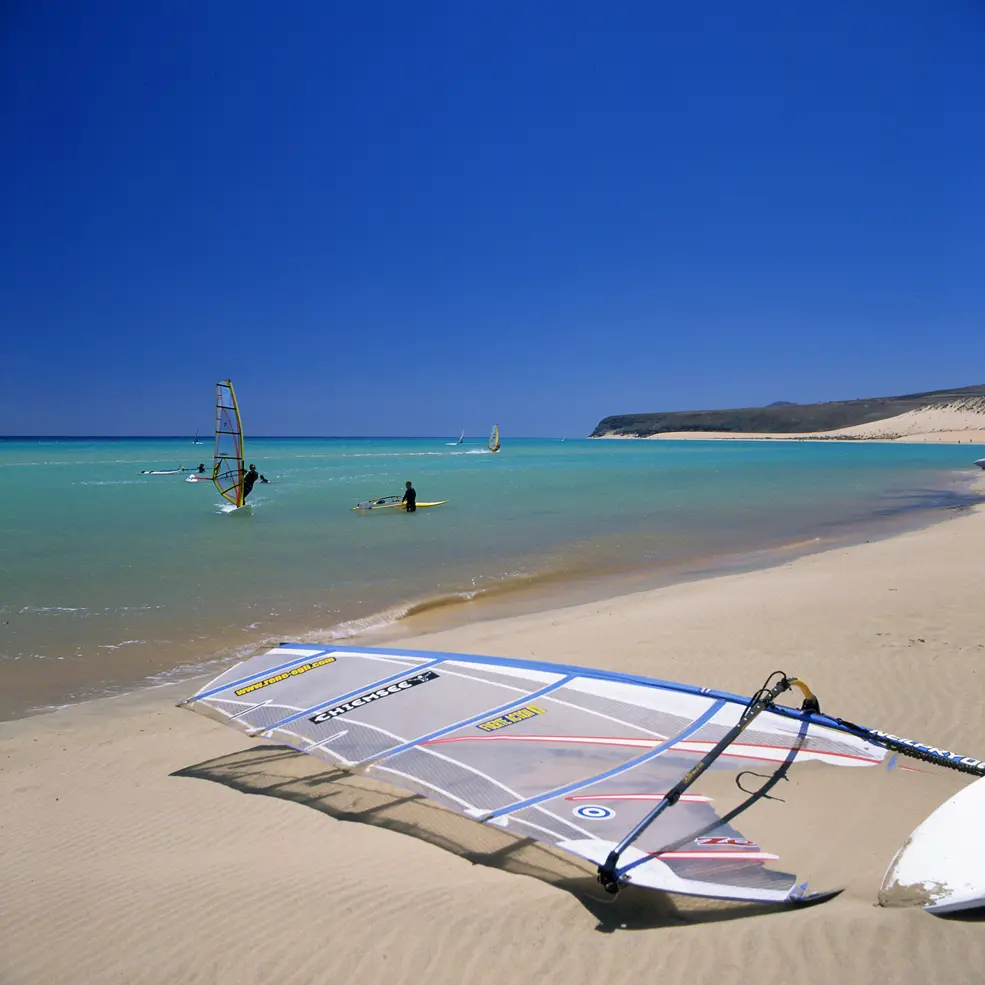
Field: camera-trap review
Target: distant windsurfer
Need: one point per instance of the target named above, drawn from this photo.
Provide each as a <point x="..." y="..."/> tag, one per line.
<point x="410" y="498"/>
<point x="248" y="480"/>
<point x="201" y="466"/>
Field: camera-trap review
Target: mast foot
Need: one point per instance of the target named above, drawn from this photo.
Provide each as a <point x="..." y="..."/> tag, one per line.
<point x="608" y="882"/>
<point x="607" y="874"/>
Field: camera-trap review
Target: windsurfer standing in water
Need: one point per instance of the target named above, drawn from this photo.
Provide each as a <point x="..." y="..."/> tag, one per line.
<point x="410" y="498"/>
<point x="248" y="480"/>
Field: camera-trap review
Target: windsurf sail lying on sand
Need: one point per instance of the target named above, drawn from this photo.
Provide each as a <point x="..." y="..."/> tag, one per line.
<point x="631" y="774"/>
<point x="228" y="470"/>
<point x="494" y="438"/>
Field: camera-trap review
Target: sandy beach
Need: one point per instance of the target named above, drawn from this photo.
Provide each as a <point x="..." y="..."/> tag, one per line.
<point x="960" y="423"/>
<point x="134" y="856"/>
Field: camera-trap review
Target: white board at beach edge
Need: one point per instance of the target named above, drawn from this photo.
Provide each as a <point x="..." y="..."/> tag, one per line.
<point x="942" y="864"/>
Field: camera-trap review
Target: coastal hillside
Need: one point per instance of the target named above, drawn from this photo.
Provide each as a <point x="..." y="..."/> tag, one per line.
<point x="784" y="418"/>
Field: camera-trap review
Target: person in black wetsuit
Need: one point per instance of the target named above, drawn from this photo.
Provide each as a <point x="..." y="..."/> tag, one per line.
<point x="248" y="481"/>
<point x="201" y="466"/>
<point x="410" y="498"/>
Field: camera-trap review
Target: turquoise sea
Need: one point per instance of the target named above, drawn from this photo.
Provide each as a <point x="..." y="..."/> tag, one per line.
<point x="110" y="578"/>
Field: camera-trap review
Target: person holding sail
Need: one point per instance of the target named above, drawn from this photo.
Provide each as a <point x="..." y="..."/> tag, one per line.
<point x="410" y="498"/>
<point x="248" y="480"/>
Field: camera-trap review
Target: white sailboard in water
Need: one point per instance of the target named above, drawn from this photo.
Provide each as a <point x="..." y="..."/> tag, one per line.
<point x="228" y="469"/>
<point x="598" y="764"/>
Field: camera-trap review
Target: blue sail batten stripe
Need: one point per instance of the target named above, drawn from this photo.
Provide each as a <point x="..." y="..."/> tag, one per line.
<point x="491" y="713"/>
<point x="342" y="698"/>
<point x="615" y="771"/>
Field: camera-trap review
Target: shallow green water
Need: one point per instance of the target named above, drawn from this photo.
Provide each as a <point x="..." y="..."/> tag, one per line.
<point x="109" y="576"/>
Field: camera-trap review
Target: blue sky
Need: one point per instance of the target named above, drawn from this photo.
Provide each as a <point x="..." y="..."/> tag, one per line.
<point x="395" y="218"/>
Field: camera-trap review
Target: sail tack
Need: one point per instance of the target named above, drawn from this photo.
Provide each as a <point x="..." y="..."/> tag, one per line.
<point x="570" y="756"/>
<point x="228" y="470"/>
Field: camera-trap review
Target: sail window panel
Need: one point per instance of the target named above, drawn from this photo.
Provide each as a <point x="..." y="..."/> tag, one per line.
<point x="406" y="709"/>
<point x="449" y="782"/>
<point x="518" y="769"/>
<point x="610" y="714"/>
<point x="623" y="700"/>
<point x="519" y="679"/>
<point x="769" y="740"/>
<point x="228" y="445"/>
<point x="351" y="741"/>
<point x="736" y="873"/>
<point x="607" y="806"/>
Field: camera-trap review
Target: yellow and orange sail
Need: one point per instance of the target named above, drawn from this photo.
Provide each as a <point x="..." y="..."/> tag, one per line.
<point x="228" y="470"/>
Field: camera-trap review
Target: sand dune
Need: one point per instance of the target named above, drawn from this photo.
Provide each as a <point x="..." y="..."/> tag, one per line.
<point x="962" y="421"/>
<point x="134" y="853"/>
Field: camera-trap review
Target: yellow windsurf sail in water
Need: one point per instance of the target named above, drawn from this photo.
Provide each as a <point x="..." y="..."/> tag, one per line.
<point x="228" y="471"/>
<point x="494" y="438"/>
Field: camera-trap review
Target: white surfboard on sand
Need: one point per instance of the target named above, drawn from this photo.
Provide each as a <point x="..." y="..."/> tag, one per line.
<point x="942" y="865"/>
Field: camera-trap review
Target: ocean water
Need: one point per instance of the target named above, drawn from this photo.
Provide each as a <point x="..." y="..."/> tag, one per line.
<point x="110" y="578"/>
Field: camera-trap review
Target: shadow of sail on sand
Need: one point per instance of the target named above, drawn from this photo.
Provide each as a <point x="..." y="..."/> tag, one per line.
<point x="286" y="774"/>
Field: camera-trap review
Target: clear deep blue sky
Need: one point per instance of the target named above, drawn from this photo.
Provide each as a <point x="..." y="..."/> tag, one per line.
<point x="407" y="218"/>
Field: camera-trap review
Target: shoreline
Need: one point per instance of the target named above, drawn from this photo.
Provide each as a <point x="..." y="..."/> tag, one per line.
<point x="948" y="437"/>
<point x="908" y="432"/>
<point x="957" y="421"/>
<point x="134" y="833"/>
<point x="540" y="593"/>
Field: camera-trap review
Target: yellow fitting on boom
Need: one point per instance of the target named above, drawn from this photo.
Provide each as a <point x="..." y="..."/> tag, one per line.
<point x="810" y="702"/>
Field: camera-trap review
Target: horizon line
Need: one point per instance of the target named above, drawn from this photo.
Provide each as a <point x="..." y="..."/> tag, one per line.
<point x="257" y="437"/>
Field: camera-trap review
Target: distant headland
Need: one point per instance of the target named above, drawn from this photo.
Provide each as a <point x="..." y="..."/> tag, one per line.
<point x="935" y="415"/>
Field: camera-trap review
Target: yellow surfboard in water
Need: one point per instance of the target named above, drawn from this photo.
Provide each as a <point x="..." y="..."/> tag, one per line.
<point x="228" y="470"/>
<point x="392" y="503"/>
<point x="494" y="438"/>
